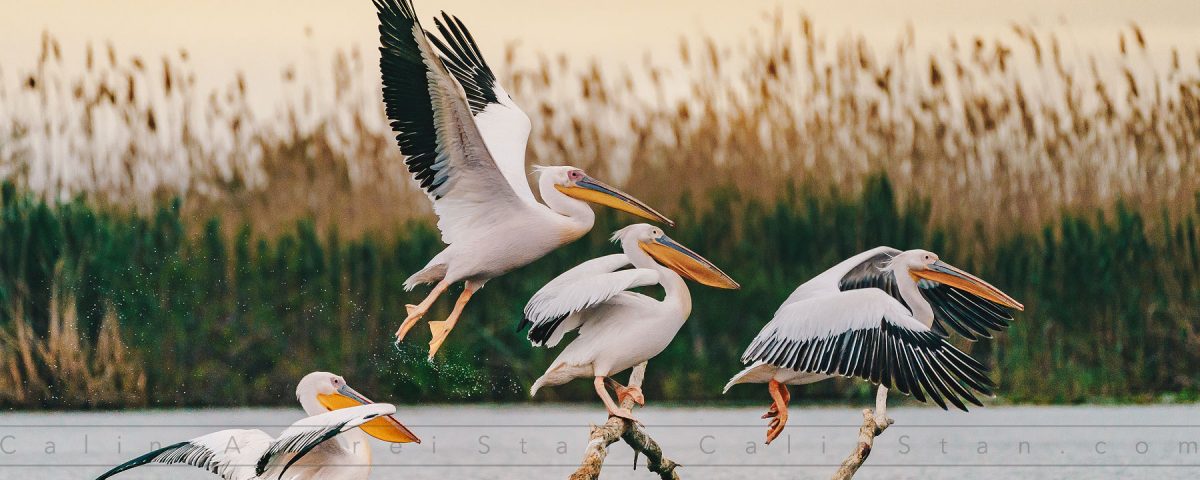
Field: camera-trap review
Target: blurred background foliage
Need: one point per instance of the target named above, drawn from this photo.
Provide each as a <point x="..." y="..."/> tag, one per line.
<point x="165" y="246"/>
<point x="205" y="319"/>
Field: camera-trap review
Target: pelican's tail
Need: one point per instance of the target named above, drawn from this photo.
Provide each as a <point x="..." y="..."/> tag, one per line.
<point x="430" y="274"/>
<point x="758" y="372"/>
<point x="558" y="374"/>
<point x="537" y="385"/>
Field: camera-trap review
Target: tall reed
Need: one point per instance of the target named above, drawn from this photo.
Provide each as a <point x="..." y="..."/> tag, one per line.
<point x="1008" y="130"/>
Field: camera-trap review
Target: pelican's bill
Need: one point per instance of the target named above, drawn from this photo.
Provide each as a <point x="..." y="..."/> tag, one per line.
<point x="589" y="189"/>
<point x="386" y="428"/>
<point x="687" y="263"/>
<point x="945" y="273"/>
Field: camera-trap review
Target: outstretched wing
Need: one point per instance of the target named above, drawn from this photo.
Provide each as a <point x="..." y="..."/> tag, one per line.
<point x="971" y="316"/>
<point x="591" y="283"/>
<point x="504" y="126"/>
<point x="447" y="156"/>
<point x="303" y="436"/>
<point x="869" y="335"/>
<point x="228" y="453"/>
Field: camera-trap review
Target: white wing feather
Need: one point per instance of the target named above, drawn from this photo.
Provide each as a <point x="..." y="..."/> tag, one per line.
<point x="252" y="454"/>
<point x="447" y="155"/>
<point x="553" y="310"/>
<point x="505" y="129"/>
<point x="827" y="282"/>
<point x="504" y="126"/>
<point x="230" y="454"/>
<point x="306" y="434"/>
<point x="869" y="334"/>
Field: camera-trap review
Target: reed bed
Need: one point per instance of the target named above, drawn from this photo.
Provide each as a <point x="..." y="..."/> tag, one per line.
<point x="1004" y="131"/>
<point x="166" y="246"/>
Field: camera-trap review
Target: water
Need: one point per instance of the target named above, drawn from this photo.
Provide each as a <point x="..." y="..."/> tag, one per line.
<point x="546" y="441"/>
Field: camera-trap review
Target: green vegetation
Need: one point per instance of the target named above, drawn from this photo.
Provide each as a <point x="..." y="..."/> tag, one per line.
<point x="1111" y="307"/>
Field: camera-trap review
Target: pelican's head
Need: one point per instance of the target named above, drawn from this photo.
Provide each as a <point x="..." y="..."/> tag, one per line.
<point x="574" y="183"/>
<point x="923" y="264"/>
<point x="321" y="392"/>
<point x="671" y="254"/>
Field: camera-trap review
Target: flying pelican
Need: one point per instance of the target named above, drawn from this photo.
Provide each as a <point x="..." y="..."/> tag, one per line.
<point x="618" y="329"/>
<point x="331" y="443"/>
<point x="880" y="316"/>
<point x="464" y="140"/>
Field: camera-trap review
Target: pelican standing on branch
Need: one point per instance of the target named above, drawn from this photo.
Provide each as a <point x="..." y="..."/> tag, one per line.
<point x="881" y="316"/>
<point x="464" y="140"/>
<point x="331" y="443"/>
<point x="618" y="329"/>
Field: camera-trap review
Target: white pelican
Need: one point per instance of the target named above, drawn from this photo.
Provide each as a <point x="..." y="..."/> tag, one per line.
<point x="464" y="140"/>
<point x="881" y="316"/>
<point x="618" y="329"/>
<point x="331" y="443"/>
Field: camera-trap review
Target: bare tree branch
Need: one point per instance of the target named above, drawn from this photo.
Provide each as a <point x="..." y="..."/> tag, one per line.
<point x="866" y="437"/>
<point x="619" y="428"/>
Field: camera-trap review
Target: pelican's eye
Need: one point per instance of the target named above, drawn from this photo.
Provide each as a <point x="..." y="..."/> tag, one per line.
<point x="575" y="175"/>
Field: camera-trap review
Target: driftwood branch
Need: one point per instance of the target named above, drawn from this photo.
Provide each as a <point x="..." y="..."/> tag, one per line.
<point x="866" y="438"/>
<point x="619" y="428"/>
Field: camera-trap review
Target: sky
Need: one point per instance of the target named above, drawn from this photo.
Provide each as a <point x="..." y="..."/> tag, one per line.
<point x="260" y="37"/>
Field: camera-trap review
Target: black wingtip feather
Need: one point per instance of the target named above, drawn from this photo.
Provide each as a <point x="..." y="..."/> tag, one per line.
<point x="143" y="460"/>
<point x="465" y="61"/>
<point x="917" y="363"/>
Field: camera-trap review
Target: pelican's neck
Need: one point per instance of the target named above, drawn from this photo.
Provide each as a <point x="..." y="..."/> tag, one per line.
<point x="677" y="292"/>
<point x="308" y="401"/>
<point x="911" y="294"/>
<point x="576" y="211"/>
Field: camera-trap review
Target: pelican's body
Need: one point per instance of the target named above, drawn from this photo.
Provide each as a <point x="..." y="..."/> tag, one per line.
<point x="882" y="316"/>
<point x="522" y="235"/>
<point x="464" y="139"/>
<point x="332" y="443"/>
<point x="618" y="329"/>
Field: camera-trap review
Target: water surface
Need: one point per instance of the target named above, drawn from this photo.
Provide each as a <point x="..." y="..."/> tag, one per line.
<point x="547" y="441"/>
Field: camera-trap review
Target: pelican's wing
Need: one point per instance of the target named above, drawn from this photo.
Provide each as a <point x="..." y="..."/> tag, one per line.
<point x="591" y="283"/>
<point x="830" y="280"/>
<point x="303" y="436"/>
<point x="504" y="126"/>
<point x="434" y="128"/>
<point x="227" y="453"/>
<point x="869" y="335"/>
<point x="971" y="316"/>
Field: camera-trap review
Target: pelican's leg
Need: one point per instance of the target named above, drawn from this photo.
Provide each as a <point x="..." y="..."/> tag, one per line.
<point x="415" y="312"/>
<point x="881" y="419"/>
<point x="623" y="392"/>
<point x="778" y="412"/>
<point x="442" y="329"/>
<point x="613" y="409"/>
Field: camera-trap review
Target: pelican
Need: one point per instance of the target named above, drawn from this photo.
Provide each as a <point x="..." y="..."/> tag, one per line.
<point x="464" y="139"/>
<point x="331" y="443"/>
<point x="618" y="329"/>
<point x="881" y="316"/>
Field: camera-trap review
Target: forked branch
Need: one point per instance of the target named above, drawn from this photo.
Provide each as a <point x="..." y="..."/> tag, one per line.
<point x="633" y="434"/>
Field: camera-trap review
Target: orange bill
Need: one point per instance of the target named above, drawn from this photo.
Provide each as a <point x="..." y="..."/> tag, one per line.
<point x="589" y="189"/>
<point x="687" y="263"/>
<point x="386" y="428"/>
<point x="945" y="273"/>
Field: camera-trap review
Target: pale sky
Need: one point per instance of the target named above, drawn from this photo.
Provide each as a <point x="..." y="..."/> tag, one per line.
<point x="259" y="37"/>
